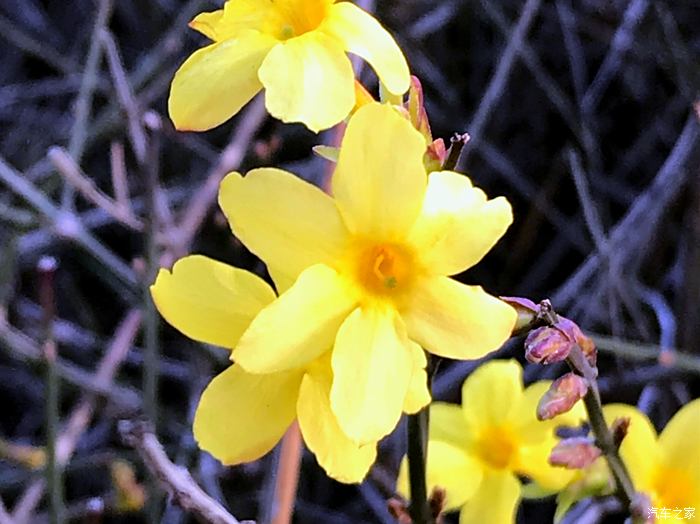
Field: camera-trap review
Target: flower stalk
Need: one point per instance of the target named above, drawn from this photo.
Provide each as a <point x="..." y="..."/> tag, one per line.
<point x="417" y="453"/>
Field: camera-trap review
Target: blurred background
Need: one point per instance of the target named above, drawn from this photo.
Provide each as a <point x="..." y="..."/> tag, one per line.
<point x="581" y="112"/>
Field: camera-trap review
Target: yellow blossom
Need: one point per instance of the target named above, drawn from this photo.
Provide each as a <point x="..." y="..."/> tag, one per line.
<point x="664" y="467"/>
<point x="295" y="50"/>
<point x="241" y="416"/>
<point x="477" y="451"/>
<point x="369" y="268"/>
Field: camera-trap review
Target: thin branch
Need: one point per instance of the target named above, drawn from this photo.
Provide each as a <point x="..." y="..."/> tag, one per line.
<point x="174" y="479"/>
<point x="287" y="476"/>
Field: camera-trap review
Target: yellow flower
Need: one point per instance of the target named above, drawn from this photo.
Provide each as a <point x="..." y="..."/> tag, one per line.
<point x="368" y="268"/>
<point x="295" y="49"/>
<point x="476" y="451"/>
<point x="667" y="467"/>
<point x="241" y="416"/>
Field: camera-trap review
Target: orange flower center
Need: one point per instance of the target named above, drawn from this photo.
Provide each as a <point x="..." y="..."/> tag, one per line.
<point x="384" y="270"/>
<point x="300" y="16"/>
<point x="672" y="488"/>
<point x="496" y="447"/>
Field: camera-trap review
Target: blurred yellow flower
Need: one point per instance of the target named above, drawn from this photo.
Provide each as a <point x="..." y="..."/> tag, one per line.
<point x="368" y="268"/>
<point x="664" y="467"/>
<point x="295" y="49"/>
<point x="476" y="451"/>
<point x="242" y="416"/>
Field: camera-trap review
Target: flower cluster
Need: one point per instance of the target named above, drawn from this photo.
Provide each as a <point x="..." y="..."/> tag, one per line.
<point x="364" y="286"/>
<point x="479" y="451"/>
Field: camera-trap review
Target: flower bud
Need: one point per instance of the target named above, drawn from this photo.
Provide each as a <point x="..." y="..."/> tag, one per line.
<point x="574" y="453"/>
<point x="527" y="313"/>
<point x="574" y="333"/>
<point x="561" y="396"/>
<point x="619" y="430"/>
<point x="547" y="345"/>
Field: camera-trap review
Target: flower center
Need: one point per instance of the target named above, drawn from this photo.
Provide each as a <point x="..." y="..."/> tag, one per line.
<point x="384" y="269"/>
<point x="672" y="488"/>
<point x="300" y="16"/>
<point x="496" y="447"/>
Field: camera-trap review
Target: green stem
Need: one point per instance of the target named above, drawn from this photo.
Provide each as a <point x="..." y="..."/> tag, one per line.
<point x="46" y="270"/>
<point x="419" y="508"/>
<point x="604" y="439"/>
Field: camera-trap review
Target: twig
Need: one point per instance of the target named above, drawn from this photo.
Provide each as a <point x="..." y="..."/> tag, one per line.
<point x="71" y="172"/>
<point x="174" y="479"/>
<point x="287" y="476"/>
<point x="230" y="159"/>
<point x="83" y="104"/>
<point x="46" y="269"/>
<point x="500" y="77"/>
<point x="67" y="225"/>
<point x="120" y="184"/>
<point x="79" y="419"/>
<point x="667" y="357"/>
<point x="5" y="517"/>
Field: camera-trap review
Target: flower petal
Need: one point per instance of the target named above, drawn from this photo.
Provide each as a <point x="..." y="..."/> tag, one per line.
<point x="209" y="24"/>
<point x="639" y="448"/>
<point x="380" y="180"/>
<point x="495" y="502"/>
<point x="299" y="326"/>
<point x="217" y="81"/>
<point x="290" y="224"/>
<point x="340" y="457"/>
<point x="241" y="416"/>
<point x="308" y="79"/>
<point x="678" y="450"/>
<point x="490" y="394"/>
<point x="457" y="321"/>
<point x="372" y="366"/>
<point x="417" y="396"/>
<point x="449" y="468"/>
<point x="209" y="301"/>
<point x="457" y="225"/>
<point x="362" y="35"/>
<point x="447" y="424"/>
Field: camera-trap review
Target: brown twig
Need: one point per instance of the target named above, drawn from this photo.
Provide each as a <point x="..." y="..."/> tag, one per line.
<point x="287" y="476"/>
<point x="175" y="480"/>
<point x="80" y="418"/>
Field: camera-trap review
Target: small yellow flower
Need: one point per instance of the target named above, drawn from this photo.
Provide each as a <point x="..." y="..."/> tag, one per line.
<point x="476" y="451"/>
<point x="664" y="467"/>
<point x="241" y="416"/>
<point x="295" y="49"/>
<point x="368" y="268"/>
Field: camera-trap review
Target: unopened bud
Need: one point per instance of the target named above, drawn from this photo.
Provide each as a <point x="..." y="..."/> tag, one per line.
<point x="619" y="429"/>
<point x="547" y="345"/>
<point x="574" y="453"/>
<point x="574" y="333"/>
<point x="399" y="510"/>
<point x="437" y="501"/>
<point x="561" y="396"/>
<point x="527" y="313"/>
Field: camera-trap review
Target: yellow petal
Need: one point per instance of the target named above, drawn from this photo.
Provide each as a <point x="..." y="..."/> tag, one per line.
<point x="449" y="468"/>
<point x="340" y="457"/>
<point x="677" y="447"/>
<point x="217" y="81"/>
<point x="297" y="327"/>
<point x="209" y="301"/>
<point x="372" y="366"/>
<point x="242" y="16"/>
<point x="241" y="417"/>
<point x="417" y="396"/>
<point x="290" y="224"/>
<point x="495" y="502"/>
<point x="639" y="450"/>
<point x="447" y="424"/>
<point x="457" y="225"/>
<point x="308" y="79"/>
<point x="380" y="180"/>
<point x="457" y="321"/>
<point x="533" y="461"/>
<point x="491" y="393"/>
<point x="363" y="36"/>
<point x="208" y="24"/>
